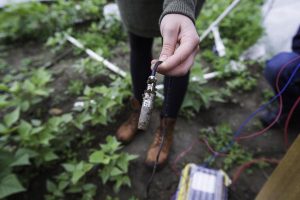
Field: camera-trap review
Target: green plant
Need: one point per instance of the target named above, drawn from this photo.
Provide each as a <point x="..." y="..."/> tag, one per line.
<point x="267" y="95"/>
<point x="35" y="20"/>
<point x="36" y="141"/>
<point x="108" y="162"/>
<point x="75" y="87"/>
<point x="3" y="65"/>
<point x="58" y="40"/>
<point x="114" y="165"/>
<point x="102" y="102"/>
<point x="219" y="138"/>
<point x="90" y="68"/>
<point x="102" y="38"/>
<point x="28" y="92"/>
<point x="234" y="28"/>
<point x="61" y="186"/>
<point x="9" y="183"/>
<point x="199" y="95"/>
<point x="237" y="38"/>
<point x="116" y="198"/>
<point x="244" y="81"/>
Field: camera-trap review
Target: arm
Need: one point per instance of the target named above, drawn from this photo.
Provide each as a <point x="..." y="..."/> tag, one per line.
<point x="180" y="38"/>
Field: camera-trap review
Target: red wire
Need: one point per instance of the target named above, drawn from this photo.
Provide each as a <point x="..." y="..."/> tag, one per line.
<point x="182" y="154"/>
<point x="287" y="122"/>
<point x="187" y="150"/>
<point x="246" y="165"/>
<point x="203" y="140"/>
<point x="280" y="105"/>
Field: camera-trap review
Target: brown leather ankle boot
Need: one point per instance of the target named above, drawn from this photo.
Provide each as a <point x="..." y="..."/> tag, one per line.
<point x="128" y="129"/>
<point x="167" y="125"/>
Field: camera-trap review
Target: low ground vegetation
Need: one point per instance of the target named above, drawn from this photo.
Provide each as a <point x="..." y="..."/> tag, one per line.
<point x="36" y="137"/>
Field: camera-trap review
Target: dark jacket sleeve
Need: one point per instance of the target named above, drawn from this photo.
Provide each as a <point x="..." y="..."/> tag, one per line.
<point x="189" y="8"/>
<point x="296" y="42"/>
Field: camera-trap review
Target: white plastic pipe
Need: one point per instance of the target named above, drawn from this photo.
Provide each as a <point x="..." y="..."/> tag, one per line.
<point x="220" y="48"/>
<point x="97" y="57"/>
<point x="219" y="19"/>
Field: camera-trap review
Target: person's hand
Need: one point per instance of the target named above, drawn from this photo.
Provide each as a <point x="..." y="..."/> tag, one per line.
<point x="180" y="45"/>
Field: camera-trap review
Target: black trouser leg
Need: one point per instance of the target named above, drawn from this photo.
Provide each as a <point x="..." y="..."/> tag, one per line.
<point x="174" y="91"/>
<point x="140" y="63"/>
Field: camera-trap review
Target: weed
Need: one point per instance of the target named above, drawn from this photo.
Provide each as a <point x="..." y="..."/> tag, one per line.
<point x="242" y="82"/>
<point x="35" y="20"/>
<point x="107" y="162"/>
<point x="219" y="138"/>
<point x="102" y="102"/>
<point x="75" y="87"/>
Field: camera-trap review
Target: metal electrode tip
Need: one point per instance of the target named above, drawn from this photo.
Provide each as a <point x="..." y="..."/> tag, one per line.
<point x="147" y="105"/>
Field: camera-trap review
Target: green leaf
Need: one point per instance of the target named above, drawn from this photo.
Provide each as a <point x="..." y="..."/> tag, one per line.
<point x="3" y="128"/>
<point x="81" y="119"/>
<point x="99" y="157"/>
<point x="11" y="118"/>
<point x="80" y="170"/>
<point x="67" y="118"/>
<point x="29" y="152"/>
<point x="6" y="158"/>
<point x="63" y="184"/>
<point x="51" y="187"/>
<point x="69" y="167"/>
<point x="10" y="185"/>
<point x="89" y="186"/>
<point x="105" y="174"/>
<point x="122" y="180"/>
<point x="24" y="129"/>
<point x="29" y="86"/>
<point x="3" y="102"/>
<point x="49" y="156"/>
<point x="45" y="137"/>
<point x="3" y="87"/>
<point x="20" y="160"/>
<point x="123" y="161"/>
<point x="131" y="157"/>
<point x="116" y="171"/>
<point x="112" y="145"/>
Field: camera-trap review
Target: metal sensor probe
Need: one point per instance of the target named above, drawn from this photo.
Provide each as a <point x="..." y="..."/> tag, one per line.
<point x="148" y="99"/>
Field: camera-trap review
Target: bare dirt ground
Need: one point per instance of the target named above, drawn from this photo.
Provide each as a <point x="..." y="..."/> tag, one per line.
<point x="187" y="131"/>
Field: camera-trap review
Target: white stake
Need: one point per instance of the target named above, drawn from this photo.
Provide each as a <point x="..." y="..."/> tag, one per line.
<point x="97" y="57"/>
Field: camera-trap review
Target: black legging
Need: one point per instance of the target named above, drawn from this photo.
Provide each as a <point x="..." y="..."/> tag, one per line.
<point x="140" y="61"/>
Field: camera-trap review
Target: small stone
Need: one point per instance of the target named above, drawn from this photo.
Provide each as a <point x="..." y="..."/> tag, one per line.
<point x="55" y="111"/>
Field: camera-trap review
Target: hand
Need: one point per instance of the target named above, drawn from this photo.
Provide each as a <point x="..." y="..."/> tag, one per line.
<point x="180" y="45"/>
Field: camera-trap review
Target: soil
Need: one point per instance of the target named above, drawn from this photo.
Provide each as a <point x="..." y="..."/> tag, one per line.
<point x="165" y="182"/>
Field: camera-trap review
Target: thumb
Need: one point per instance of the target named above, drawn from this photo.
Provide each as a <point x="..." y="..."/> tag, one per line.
<point x="169" y="37"/>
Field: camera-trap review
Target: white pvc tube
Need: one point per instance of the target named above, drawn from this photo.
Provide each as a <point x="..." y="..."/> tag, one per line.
<point x="219" y="19"/>
<point x="97" y="57"/>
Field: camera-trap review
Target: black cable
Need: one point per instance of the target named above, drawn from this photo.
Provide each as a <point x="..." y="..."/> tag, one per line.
<point x="162" y="141"/>
<point x="155" y="164"/>
<point x="155" y="68"/>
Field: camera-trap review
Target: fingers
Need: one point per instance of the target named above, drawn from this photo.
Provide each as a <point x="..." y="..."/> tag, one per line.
<point x="170" y="36"/>
<point x="185" y="49"/>
<point x="182" y="68"/>
<point x="178" y="30"/>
